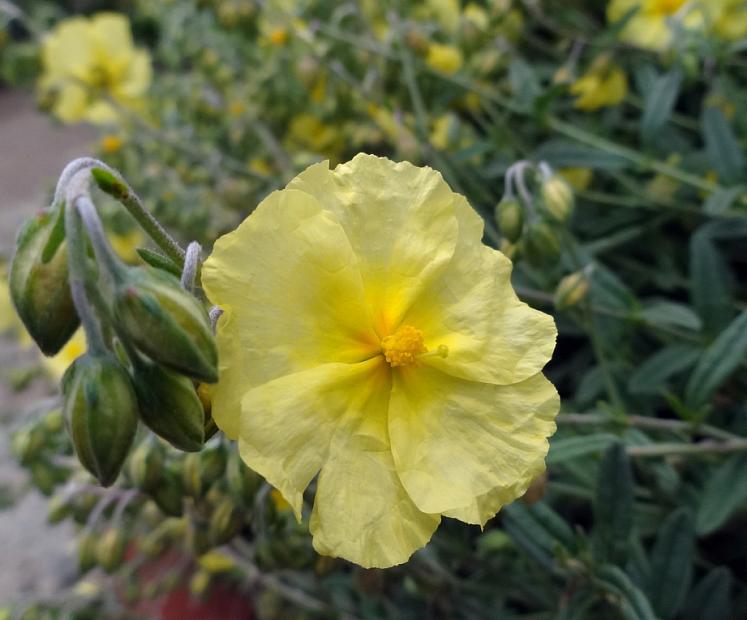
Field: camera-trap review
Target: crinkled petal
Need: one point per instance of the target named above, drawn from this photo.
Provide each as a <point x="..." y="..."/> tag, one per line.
<point x="287" y="424"/>
<point x="471" y="308"/>
<point x="67" y="51"/>
<point x="289" y="281"/>
<point x="454" y="441"/>
<point x="399" y="220"/>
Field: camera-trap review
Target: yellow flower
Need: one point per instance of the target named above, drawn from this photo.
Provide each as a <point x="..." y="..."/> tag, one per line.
<point x="649" y="26"/>
<point x="444" y="58"/>
<point x="87" y="60"/>
<point x="111" y="143"/>
<point x="57" y="365"/>
<point x="604" y="84"/>
<point x="728" y="18"/>
<point x="369" y="337"/>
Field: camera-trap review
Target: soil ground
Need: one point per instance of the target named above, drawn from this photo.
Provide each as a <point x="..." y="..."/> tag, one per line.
<point x="35" y="559"/>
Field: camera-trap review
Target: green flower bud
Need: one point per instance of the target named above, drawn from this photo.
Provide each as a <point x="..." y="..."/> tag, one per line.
<point x="197" y="538"/>
<point x="58" y="508"/>
<point x="510" y="218"/>
<point x="225" y="522"/>
<point x="87" y="551"/>
<point x="169" y="530"/>
<point x="571" y="290"/>
<point x="166" y="323"/>
<point x="191" y="475"/>
<point x="557" y="198"/>
<point x="169" y="406"/>
<point x="541" y="244"/>
<point x="110" y="549"/>
<point x="26" y="444"/>
<point x="43" y="476"/>
<point x="39" y="284"/>
<point x="146" y="464"/>
<point x="100" y="408"/>
<point x="168" y="496"/>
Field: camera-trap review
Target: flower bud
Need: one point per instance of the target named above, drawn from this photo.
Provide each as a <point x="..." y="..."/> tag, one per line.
<point x="557" y="198"/>
<point x="510" y="218"/>
<point x="541" y="244"/>
<point x="197" y="538"/>
<point x="86" y="551"/>
<point x="169" y="406"/>
<point x="39" y="287"/>
<point x="58" y="508"/>
<point x="191" y="475"/>
<point x="146" y="464"/>
<point x="168" y="496"/>
<point x="571" y="290"/>
<point x="27" y="443"/>
<point x="110" y="549"/>
<point x="199" y="583"/>
<point x="225" y="522"/>
<point x="100" y="408"/>
<point x="166" y="323"/>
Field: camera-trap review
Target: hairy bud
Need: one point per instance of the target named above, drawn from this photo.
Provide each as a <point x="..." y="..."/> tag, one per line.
<point x="557" y="198"/>
<point x="510" y="218"/>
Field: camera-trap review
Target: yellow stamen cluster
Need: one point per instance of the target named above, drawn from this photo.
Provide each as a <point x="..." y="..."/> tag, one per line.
<point x="403" y="346"/>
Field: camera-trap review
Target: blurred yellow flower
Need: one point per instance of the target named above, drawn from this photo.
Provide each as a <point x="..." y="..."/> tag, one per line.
<point x="370" y="338"/>
<point x="87" y="61"/>
<point x="728" y="18"/>
<point x="604" y="84"/>
<point x="310" y="132"/>
<point x="126" y="244"/>
<point x="111" y="143"/>
<point x="579" y="178"/>
<point x="57" y="365"/>
<point x="649" y="26"/>
<point x="444" y="58"/>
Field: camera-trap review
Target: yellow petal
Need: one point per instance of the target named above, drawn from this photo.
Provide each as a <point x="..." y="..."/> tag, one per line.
<point x="455" y="441"/>
<point x="111" y="31"/>
<point x="399" y="220"/>
<point x="70" y="103"/>
<point x="362" y="513"/>
<point x="472" y="309"/>
<point x="289" y="282"/>
<point x="67" y="51"/>
<point x="287" y="424"/>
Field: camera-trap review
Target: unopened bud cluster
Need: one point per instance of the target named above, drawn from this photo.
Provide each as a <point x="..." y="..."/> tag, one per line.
<point x="154" y="344"/>
<point x="531" y="220"/>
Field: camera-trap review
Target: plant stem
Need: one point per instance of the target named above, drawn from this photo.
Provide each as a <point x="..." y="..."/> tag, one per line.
<point x="78" y="275"/>
<point x="703" y="448"/>
<point x="637" y="421"/>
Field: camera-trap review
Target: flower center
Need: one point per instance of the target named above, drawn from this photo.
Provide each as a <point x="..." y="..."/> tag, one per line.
<point x="403" y="346"/>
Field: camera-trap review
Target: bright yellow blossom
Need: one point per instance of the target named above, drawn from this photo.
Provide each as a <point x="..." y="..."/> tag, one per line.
<point x="444" y="58"/>
<point x="649" y="26"/>
<point x="369" y="338"/>
<point x="728" y="18"/>
<point x="89" y="60"/>
<point x="604" y="84"/>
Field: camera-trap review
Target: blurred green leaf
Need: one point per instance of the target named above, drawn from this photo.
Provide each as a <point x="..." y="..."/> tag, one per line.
<point x="709" y="283"/>
<point x="652" y="376"/>
<point x="710" y="597"/>
<point x="670" y="314"/>
<point x="722" y="147"/>
<point x="671" y="563"/>
<point x="720" y="201"/>
<point x="634" y="604"/>
<point x="717" y="363"/>
<point x="524" y="83"/>
<point x="613" y="505"/>
<point x="659" y="102"/>
<point x="724" y="492"/>
<point x="565" y="154"/>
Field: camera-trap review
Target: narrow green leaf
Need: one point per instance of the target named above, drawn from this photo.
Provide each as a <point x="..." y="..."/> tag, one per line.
<point x="722" y="147"/>
<point x="56" y="236"/>
<point x="633" y="602"/>
<point x="711" y="597"/>
<point x="613" y="506"/>
<point x="563" y="153"/>
<point x="670" y="314"/>
<point x="724" y="492"/>
<point x="659" y="102"/>
<point x="717" y="363"/>
<point x="524" y="83"/>
<point x="569" y="448"/>
<point x="652" y="376"/>
<point x="709" y="283"/>
<point x="718" y="202"/>
<point x="553" y="524"/>
<point x="671" y="564"/>
<point x="536" y="543"/>
<point x="159" y="261"/>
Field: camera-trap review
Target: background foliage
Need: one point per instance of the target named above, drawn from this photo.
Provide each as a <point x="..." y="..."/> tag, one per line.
<point x="643" y="509"/>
